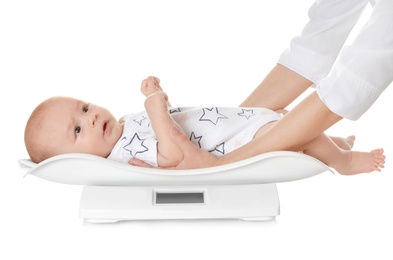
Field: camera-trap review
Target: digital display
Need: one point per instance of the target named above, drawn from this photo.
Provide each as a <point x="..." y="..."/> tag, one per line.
<point x="179" y="198"/>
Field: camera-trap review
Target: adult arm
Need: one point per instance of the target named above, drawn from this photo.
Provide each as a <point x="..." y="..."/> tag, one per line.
<point x="305" y="122"/>
<point x="363" y="69"/>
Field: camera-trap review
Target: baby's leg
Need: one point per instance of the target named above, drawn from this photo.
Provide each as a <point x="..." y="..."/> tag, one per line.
<point x="168" y="153"/>
<point x="343" y="160"/>
<point x="345" y="143"/>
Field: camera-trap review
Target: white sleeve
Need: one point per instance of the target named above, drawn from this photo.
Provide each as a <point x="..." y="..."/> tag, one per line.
<point x="313" y="52"/>
<point x="364" y="69"/>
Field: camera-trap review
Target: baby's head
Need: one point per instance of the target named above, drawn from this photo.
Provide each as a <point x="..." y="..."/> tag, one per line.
<point x="62" y="125"/>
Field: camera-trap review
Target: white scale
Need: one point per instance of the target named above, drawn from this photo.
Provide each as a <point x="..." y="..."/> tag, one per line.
<point x="114" y="191"/>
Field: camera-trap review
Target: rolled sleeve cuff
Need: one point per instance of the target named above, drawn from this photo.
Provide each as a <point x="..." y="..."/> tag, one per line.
<point x="307" y="63"/>
<point x="347" y="94"/>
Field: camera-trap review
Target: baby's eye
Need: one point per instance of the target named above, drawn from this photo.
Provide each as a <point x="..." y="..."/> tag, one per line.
<point x="77" y="130"/>
<point x="85" y="109"/>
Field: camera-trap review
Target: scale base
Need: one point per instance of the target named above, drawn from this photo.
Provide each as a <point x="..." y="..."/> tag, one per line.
<point x="108" y="204"/>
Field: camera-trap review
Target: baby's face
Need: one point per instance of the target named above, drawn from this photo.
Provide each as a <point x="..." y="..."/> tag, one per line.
<point x="74" y="126"/>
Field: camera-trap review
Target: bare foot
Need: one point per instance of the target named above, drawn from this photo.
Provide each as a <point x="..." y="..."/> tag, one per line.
<point x="345" y="143"/>
<point x="362" y="162"/>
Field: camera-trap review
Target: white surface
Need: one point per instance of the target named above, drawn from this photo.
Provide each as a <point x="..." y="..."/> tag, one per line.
<point x="85" y="169"/>
<point x="92" y="50"/>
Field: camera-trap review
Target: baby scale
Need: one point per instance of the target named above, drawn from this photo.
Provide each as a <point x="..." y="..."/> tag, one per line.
<point x="115" y="191"/>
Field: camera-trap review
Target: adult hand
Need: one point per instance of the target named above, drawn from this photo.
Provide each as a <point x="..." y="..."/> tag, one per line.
<point x="193" y="157"/>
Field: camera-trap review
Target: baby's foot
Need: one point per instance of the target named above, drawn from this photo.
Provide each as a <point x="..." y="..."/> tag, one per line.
<point x="345" y="143"/>
<point x="363" y="162"/>
<point x="150" y="85"/>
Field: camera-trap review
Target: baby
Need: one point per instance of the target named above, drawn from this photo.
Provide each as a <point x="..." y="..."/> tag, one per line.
<point x="62" y="125"/>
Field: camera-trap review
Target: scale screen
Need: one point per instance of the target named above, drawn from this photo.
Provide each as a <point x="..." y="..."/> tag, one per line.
<point x="179" y="198"/>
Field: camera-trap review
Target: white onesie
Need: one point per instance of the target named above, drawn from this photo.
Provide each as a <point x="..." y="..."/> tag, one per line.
<point x="218" y="130"/>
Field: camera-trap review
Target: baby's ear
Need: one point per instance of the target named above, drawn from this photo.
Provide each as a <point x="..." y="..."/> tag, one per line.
<point x="122" y="120"/>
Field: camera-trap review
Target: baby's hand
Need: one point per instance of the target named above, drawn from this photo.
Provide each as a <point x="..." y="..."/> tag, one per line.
<point x="150" y="85"/>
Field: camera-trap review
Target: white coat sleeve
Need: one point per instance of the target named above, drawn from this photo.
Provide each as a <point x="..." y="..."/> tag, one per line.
<point x="363" y="69"/>
<point x="313" y="52"/>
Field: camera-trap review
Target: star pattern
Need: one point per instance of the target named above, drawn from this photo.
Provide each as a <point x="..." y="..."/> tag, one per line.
<point x="237" y="143"/>
<point x="219" y="148"/>
<point x="135" y="146"/>
<point x="184" y="117"/>
<point x="247" y="113"/>
<point x="140" y="120"/>
<point x="175" y="110"/>
<point x="196" y="139"/>
<point x="212" y="115"/>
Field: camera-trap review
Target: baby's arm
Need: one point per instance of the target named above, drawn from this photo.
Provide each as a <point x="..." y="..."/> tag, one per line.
<point x="156" y="104"/>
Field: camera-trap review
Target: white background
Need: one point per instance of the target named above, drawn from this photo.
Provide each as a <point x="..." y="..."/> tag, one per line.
<point x="206" y="52"/>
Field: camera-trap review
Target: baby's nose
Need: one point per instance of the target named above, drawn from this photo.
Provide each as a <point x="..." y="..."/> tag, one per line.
<point x="93" y="119"/>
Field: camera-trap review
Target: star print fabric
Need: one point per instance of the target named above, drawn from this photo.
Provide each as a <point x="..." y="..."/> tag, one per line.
<point x="218" y="130"/>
